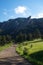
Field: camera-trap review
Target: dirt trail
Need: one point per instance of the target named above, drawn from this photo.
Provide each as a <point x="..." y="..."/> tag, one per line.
<point x="10" y="57"/>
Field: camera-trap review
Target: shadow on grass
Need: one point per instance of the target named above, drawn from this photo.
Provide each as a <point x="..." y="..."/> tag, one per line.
<point x="38" y="56"/>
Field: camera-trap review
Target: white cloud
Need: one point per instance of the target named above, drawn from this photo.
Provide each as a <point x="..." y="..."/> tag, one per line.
<point x="20" y="10"/>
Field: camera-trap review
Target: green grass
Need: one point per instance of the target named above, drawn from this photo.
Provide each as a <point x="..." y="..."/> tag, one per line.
<point x="5" y="46"/>
<point x="32" y="53"/>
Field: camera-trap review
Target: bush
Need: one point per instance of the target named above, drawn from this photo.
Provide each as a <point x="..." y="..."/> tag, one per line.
<point x="25" y="51"/>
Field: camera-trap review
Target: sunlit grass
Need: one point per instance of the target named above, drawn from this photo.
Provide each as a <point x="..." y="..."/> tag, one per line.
<point x="34" y="52"/>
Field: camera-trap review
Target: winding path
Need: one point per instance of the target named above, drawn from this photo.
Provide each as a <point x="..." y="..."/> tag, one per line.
<point x="10" y="57"/>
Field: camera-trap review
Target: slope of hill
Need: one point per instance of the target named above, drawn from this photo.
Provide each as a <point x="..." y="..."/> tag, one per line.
<point x="26" y="26"/>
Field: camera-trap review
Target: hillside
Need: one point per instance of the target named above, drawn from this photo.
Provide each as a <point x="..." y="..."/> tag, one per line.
<point x="27" y="26"/>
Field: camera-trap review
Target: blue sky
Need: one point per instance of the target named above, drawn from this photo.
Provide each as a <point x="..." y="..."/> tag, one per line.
<point x="10" y="9"/>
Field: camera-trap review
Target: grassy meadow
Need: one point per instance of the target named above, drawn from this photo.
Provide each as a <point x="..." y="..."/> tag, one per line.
<point x="32" y="51"/>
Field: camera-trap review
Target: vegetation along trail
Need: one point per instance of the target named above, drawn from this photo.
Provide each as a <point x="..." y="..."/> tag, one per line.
<point x="10" y="57"/>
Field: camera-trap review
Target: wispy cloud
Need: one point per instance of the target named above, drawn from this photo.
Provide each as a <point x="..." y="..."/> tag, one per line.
<point x="5" y="13"/>
<point x="39" y="15"/>
<point x="11" y="16"/>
